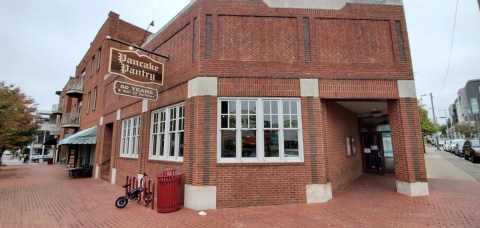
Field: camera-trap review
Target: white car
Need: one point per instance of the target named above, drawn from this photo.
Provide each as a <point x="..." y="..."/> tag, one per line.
<point x="37" y="157"/>
<point x="447" y="146"/>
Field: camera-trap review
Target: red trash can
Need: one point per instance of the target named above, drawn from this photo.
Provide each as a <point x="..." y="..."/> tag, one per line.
<point x="168" y="191"/>
<point x="50" y="161"/>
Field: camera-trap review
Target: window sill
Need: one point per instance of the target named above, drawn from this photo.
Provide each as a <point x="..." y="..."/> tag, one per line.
<point x="296" y="163"/>
<point x="128" y="158"/>
<point x="165" y="161"/>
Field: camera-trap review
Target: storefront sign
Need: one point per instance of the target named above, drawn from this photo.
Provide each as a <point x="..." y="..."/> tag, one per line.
<point x="122" y="88"/>
<point x="139" y="68"/>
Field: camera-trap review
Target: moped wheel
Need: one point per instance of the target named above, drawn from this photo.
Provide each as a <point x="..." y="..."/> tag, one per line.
<point x="147" y="198"/>
<point x="121" y="202"/>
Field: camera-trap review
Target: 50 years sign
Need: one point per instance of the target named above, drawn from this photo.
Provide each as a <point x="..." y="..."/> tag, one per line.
<point x="122" y="88"/>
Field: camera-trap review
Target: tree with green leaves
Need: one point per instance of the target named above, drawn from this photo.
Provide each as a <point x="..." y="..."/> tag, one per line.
<point x="443" y="129"/>
<point x="466" y="129"/>
<point x="428" y="127"/>
<point x="18" y="121"/>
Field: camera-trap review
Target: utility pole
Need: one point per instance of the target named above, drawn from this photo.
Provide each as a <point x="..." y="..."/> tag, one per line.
<point x="434" y="119"/>
<point x="446" y="118"/>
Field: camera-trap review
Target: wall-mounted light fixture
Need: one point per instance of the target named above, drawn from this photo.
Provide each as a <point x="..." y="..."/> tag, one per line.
<point x="146" y="31"/>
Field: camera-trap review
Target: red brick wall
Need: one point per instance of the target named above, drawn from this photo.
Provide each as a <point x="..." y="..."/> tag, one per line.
<point x="341" y="122"/>
<point x="358" y="41"/>
<point x="353" y="41"/>
<point x="366" y="89"/>
<point x="258" y="87"/>
<point x="242" y="185"/>
<point x="243" y="38"/>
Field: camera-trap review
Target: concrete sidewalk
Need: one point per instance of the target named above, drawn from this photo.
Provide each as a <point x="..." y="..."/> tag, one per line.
<point x="439" y="167"/>
<point x="42" y="195"/>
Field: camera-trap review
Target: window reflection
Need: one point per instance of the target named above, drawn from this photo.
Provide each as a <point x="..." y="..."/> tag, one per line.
<point x="249" y="143"/>
<point x="228" y="144"/>
<point x="291" y="143"/>
<point x="271" y="146"/>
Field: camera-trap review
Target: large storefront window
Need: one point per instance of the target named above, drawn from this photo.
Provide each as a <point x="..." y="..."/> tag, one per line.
<point x="167" y="133"/>
<point x="259" y="130"/>
<point x="130" y="135"/>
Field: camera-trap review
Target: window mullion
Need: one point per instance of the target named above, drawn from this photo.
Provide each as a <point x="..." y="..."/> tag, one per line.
<point x="159" y="126"/>
<point x="260" y="131"/>
<point x="177" y="134"/>
<point x="152" y="143"/>
<point x="281" y="151"/>
<point x="238" y="127"/>
<point x="166" y="143"/>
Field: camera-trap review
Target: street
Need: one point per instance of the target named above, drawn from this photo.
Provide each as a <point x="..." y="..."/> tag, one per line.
<point x="41" y="195"/>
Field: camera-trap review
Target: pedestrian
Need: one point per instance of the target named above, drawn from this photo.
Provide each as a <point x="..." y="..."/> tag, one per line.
<point x="27" y="157"/>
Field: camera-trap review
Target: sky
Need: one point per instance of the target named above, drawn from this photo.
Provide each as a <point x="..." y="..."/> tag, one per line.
<point x="43" y="41"/>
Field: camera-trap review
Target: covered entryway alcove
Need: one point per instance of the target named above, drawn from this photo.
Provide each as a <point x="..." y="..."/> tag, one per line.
<point x="373" y="127"/>
<point x="375" y="139"/>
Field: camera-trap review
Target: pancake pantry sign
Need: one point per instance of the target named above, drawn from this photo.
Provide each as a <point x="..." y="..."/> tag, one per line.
<point x="138" y="68"/>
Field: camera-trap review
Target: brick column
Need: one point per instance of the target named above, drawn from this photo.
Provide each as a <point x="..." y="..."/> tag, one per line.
<point x="200" y="158"/>
<point x="410" y="170"/>
<point x="314" y="130"/>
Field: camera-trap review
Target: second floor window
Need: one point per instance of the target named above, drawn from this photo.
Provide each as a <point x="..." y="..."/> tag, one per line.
<point x="94" y="99"/>
<point x="99" y="58"/>
<point x="92" y="66"/>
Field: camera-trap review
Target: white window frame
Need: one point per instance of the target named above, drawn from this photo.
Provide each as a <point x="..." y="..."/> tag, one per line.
<point x="99" y="58"/>
<point x="92" y="67"/>
<point x="260" y="132"/>
<point x="130" y="137"/>
<point x="88" y="101"/>
<point x="155" y="129"/>
<point x="94" y="98"/>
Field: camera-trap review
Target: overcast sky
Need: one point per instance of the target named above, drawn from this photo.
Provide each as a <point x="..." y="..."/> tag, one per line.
<point x="43" y="41"/>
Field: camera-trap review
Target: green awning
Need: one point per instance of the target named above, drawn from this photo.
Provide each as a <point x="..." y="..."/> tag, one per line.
<point x="87" y="136"/>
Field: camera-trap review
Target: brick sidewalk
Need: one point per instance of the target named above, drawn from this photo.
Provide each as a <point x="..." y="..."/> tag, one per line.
<point x="43" y="196"/>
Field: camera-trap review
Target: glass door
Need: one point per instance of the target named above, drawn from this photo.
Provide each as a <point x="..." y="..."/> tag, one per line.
<point x="388" y="152"/>
<point x="373" y="153"/>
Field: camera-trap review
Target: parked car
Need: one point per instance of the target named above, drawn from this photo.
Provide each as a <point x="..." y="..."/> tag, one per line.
<point x="441" y="144"/>
<point x="448" y="145"/>
<point x="471" y="150"/>
<point x="457" y="147"/>
<point x="37" y="157"/>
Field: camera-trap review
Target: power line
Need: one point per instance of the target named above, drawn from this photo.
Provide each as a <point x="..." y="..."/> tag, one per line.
<point x="451" y="47"/>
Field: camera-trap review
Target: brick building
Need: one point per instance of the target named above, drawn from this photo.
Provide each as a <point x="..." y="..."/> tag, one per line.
<point x="262" y="102"/>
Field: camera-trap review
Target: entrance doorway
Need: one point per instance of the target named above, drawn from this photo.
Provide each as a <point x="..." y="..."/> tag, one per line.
<point x="107" y="152"/>
<point x="375" y="136"/>
<point x="377" y="148"/>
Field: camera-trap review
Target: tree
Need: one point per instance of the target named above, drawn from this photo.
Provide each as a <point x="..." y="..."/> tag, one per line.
<point x="428" y="128"/>
<point x="443" y="129"/>
<point x="465" y="129"/>
<point x="18" y="122"/>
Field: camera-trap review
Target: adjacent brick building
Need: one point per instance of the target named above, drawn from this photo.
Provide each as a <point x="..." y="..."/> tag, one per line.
<point x="263" y="102"/>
